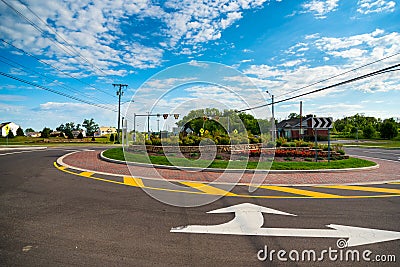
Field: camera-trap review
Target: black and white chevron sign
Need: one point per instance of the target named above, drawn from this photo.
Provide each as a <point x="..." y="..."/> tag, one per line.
<point x="322" y="123"/>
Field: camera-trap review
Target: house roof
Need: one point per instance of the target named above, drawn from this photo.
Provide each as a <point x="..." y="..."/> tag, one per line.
<point x="292" y="123"/>
<point x="4" y="124"/>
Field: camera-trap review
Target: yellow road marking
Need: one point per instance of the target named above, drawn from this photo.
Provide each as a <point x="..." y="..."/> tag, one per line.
<point x="299" y="191"/>
<point x="133" y="181"/>
<point x="64" y="169"/>
<point x="363" y="188"/>
<point x="86" y="174"/>
<point x="209" y="189"/>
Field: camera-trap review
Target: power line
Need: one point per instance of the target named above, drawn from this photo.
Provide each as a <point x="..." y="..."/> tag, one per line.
<point x="56" y="92"/>
<point x="24" y="68"/>
<point x="381" y="71"/>
<point x="53" y="67"/>
<point x="343" y="73"/>
<point x="44" y="34"/>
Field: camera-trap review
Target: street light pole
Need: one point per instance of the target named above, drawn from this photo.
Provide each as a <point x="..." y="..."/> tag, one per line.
<point x="119" y="94"/>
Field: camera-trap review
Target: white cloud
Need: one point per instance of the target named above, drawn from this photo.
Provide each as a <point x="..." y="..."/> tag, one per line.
<point x="292" y="63"/>
<point x="246" y="60"/>
<point x="349" y="53"/>
<point x="193" y="22"/>
<point x="196" y="63"/>
<point x="320" y="7"/>
<point x="104" y="32"/>
<point x="375" y="6"/>
<point x="4" y="97"/>
<point x="167" y="83"/>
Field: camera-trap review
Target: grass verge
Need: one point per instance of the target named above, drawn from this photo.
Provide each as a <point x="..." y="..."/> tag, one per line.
<point x="390" y="144"/>
<point x="117" y="153"/>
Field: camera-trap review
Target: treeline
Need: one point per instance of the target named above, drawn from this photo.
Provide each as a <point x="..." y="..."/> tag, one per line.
<point x="66" y="129"/>
<point x="359" y="126"/>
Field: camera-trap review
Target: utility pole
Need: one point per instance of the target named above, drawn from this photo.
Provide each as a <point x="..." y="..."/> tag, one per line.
<point x="119" y="94"/>
<point x="273" y="112"/>
<point x="301" y="119"/>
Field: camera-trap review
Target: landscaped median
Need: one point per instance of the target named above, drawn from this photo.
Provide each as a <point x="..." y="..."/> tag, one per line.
<point x="118" y="154"/>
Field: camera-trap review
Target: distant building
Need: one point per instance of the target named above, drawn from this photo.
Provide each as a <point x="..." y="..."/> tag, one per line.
<point x="105" y="130"/>
<point x="290" y="129"/>
<point x="6" y="127"/>
<point x="57" y="134"/>
<point x="77" y="132"/>
<point x="34" y="134"/>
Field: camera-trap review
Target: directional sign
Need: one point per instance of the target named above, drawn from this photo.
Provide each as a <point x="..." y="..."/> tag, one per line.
<point x="322" y="123"/>
<point x="249" y="219"/>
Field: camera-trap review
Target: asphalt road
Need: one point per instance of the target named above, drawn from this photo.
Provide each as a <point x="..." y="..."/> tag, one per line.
<point x="388" y="154"/>
<point x="52" y="218"/>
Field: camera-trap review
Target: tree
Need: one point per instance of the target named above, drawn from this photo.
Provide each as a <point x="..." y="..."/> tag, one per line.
<point x="389" y="129"/>
<point x="69" y="134"/>
<point x="80" y="135"/>
<point x="46" y="132"/>
<point x="29" y="130"/>
<point x="294" y="115"/>
<point x="91" y="126"/>
<point x="20" y="132"/>
<point x="369" y="131"/>
<point x="112" y="138"/>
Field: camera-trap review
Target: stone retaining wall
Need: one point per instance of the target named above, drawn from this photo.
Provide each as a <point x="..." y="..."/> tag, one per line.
<point x="223" y="149"/>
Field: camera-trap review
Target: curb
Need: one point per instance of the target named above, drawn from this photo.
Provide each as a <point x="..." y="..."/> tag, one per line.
<point x="102" y="157"/>
<point x="61" y="163"/>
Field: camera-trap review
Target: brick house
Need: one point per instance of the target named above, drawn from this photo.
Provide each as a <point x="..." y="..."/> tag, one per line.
<point x="290" y="129"/>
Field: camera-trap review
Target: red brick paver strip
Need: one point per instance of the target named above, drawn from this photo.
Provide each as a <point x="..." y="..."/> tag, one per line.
<point x="90" y="160"/>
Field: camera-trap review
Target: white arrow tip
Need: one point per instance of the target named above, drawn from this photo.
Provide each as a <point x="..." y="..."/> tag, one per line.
<point x="249" y="207"/>
<point x="362" y="236"/>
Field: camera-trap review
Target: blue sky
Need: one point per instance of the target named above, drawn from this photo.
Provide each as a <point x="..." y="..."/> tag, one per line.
<point x="80" y="48"/>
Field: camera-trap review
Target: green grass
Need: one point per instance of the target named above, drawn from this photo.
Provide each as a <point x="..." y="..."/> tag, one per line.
<point x="376" y="143"/>
<point x="117" y="153"/>
<point x="53" y="141"/>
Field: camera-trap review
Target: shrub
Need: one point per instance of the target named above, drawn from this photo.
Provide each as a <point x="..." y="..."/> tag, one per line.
<point x="112" y="138"/>
<point x="223" y="140"/>
<point x="280" y="141"/>
<point x="156" y="141"/>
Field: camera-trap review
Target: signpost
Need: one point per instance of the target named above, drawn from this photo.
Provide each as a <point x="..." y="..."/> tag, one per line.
<point x="322" y="123"/>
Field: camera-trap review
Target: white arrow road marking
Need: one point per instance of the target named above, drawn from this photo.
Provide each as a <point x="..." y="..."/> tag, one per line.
<point x="249" y="219"/>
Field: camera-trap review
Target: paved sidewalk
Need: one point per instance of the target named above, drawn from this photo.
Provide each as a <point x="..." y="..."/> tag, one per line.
<point x="90" y="161"/>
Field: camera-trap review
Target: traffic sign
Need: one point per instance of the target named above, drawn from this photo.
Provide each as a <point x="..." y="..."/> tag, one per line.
<point x="322" y="123"/>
